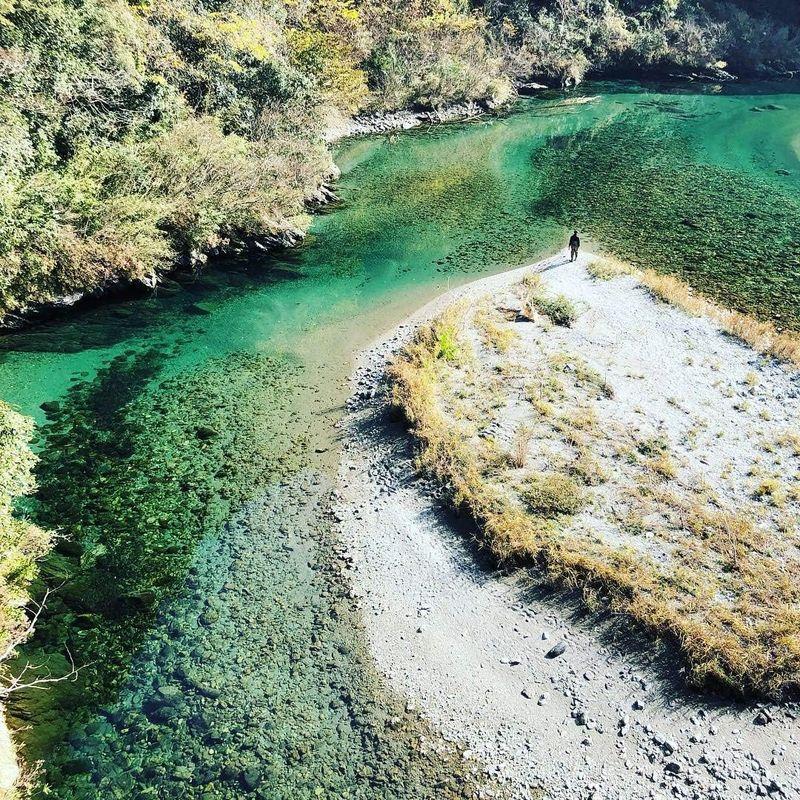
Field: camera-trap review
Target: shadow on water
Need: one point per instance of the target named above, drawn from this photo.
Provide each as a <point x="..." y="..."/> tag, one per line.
<point x="107" y="321"/>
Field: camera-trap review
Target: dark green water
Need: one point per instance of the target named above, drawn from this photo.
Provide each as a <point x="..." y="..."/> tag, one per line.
<point x="189" y="438"/>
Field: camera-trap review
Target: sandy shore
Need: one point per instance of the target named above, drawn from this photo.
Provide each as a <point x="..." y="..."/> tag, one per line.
<point x="612" y="717"/>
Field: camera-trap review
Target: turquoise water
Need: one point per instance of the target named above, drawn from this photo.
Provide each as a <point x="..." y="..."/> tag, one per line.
<point x="181" y="416"/>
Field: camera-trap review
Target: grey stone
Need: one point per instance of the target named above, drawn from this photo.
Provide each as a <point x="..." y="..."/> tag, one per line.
<point x="556" y="650"/>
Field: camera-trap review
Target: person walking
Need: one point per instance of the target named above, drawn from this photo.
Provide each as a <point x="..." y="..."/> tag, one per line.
<point x="574" y="246"/>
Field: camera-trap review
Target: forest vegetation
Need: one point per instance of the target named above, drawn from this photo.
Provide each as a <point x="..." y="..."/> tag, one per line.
<point x="139" y="136"/>
<point x="22" y="542"/>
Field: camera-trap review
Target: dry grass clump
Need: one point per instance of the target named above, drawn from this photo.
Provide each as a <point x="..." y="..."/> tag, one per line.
<point x="587" y="468"/>
<point x="790" y="439"/>
<point x="771" y="489"/>
<point x="493" y="333"/>
<point x="550" y="494"/>
<point x="519" y="448"/>
<point x="663" y="465"/>
<point x="604" y="269"/>
<point x="715" y="580"/>
<point x="761" y="335"/>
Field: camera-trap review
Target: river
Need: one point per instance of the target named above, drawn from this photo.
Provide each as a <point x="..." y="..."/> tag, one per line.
<point x="188" y="438"/>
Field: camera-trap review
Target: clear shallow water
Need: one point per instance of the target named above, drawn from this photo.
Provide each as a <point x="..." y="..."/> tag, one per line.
<point x="178" y="413"/>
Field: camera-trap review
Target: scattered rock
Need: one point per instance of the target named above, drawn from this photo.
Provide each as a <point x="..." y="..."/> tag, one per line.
<point x="556" y="650"/>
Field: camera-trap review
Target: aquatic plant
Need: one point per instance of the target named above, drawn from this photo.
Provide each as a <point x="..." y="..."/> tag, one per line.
<point x="731" y="235"/>
<point x="133" y="478"/>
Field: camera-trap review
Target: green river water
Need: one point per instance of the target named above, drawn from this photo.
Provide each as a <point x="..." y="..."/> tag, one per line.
<point x="187" y="439"/>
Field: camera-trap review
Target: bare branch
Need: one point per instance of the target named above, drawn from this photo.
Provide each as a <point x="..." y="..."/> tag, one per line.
<point x="17" y="683"/>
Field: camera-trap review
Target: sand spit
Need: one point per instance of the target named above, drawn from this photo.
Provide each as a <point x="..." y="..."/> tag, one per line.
<point x="612" y="716"/>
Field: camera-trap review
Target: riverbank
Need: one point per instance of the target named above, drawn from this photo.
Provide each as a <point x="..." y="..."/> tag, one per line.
<point x="252" y="245"/>
<point x="408" y="119"/>
<point x="612" y="714"/>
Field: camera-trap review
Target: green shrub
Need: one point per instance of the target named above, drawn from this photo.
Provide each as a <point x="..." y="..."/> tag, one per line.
<point x="654" y="446"/>
<point x="434" y="53"/>
<point x="21" y="543"/>
<point x="559" y="309"/>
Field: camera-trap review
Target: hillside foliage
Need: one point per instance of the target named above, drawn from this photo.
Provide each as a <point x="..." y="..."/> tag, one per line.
<point x="21" y="542"/>
<point x="138" y="135"/>
<point x="567" y="39"/>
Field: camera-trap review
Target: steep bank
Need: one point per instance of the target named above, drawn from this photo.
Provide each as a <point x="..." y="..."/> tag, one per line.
<point x="611" y="715"/>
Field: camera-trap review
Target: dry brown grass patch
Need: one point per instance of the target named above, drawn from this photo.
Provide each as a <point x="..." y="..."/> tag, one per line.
<point x="550" y="494"/>
<point x="715" y="580"/>
<point x="607" y="268"/>
<point x="519" y="448"/>
<point x="663" y="465"/>
<point x="494" y="331"/>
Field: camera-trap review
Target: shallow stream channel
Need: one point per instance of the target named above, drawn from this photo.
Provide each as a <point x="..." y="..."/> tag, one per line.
<point x="188" y="439"/>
